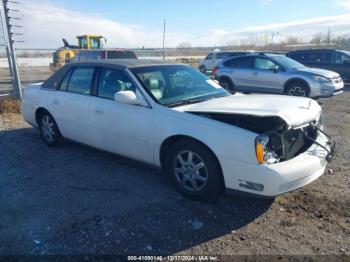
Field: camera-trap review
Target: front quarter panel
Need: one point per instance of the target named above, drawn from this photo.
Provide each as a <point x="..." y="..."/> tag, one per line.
<point x="224" y="140"/>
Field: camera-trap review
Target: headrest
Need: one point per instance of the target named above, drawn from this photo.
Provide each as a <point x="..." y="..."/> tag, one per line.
<point x="152" y="83"/>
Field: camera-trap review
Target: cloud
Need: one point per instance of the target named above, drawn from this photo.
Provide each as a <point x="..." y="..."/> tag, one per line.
<point x="304" y="29"/>
<point x="343" y="3"/>
<point x="266" y="2"/>
<point x="46" y="24"/>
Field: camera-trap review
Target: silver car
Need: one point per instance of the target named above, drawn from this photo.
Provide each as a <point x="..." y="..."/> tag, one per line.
<point x="212" y="59"/>
<point x="276" y="74"/>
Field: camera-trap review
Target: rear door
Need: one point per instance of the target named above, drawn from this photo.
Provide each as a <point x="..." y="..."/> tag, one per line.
<point x="241" y="71"/>
<point x="71" y="104"/>
<point x="318" y="59"/>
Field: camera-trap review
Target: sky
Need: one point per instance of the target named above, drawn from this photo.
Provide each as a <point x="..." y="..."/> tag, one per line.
<point x="137" y="23"/>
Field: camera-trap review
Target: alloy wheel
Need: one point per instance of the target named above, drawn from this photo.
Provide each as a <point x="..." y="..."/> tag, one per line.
<point x="190" y="171"/>
<point x="47" y="128"/>
<point x="297" y="91"/>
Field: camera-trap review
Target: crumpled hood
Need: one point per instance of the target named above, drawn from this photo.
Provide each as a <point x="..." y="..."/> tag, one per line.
<point x="318" y="71"/>
<point x="295" y="111"/>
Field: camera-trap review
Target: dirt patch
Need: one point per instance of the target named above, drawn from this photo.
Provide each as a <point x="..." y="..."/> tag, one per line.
<point x="10" y="105"/>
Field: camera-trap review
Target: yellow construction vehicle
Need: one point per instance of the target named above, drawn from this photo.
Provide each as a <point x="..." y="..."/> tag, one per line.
<point x="65" y="54"/>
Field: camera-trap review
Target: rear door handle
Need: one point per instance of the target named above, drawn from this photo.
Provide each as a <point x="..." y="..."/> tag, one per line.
<point x="255" y="73"/>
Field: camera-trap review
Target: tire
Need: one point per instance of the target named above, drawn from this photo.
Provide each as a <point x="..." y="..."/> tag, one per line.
<point x="297" y="89"/>
<point x="49" y="130"/>
<point x="227" y="84"/>
<point x="194" y="171"/>
<point x="203" y="70"/>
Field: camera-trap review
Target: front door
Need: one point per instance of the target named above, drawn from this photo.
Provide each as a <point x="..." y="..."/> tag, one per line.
<point x="121" y="128"/>
<point x="267" y="76"/>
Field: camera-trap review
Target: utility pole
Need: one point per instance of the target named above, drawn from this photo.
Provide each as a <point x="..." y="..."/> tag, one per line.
<point x="273" y="38"/>
<point x="164" y="41"/>
<point x="7" y="48"/>
<point x="16" y="81"/>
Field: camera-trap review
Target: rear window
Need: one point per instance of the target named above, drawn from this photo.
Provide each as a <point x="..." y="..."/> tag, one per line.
<point x="209" y="57"/>
<point x="240" y="62"/>
<point x="222" y="55"/>
<point x="80" y="80"/>
<point x="86" y="55"/>
<point x="121" y="55"/>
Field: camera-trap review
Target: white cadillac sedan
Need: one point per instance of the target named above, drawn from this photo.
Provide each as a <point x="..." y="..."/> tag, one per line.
<point x="175" y="118"/>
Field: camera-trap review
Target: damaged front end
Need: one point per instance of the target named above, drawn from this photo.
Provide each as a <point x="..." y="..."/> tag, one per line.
<point x="276" y="141"/>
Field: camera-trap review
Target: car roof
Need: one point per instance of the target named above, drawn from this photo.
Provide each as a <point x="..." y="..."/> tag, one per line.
<point x="118" y="64"/>
<point x="125" y="63"/>
<point x="313" y="50"/>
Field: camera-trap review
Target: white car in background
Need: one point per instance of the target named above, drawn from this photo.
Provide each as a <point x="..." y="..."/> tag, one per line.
<point x="175" y="118"/>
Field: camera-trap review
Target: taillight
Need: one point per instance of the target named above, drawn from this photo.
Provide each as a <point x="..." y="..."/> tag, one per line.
<point x="215" y="69"/>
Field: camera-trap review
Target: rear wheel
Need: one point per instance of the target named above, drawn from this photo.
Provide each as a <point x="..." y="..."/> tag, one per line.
<point x="227" y="84"/>
<point x="194" y="171"/>
<point x="203" y="70"/>
<point x="297" y="89"/>
<point x="49" y="130"/>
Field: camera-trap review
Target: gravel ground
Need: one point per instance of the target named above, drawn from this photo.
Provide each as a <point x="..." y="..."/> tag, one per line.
<point x="76" y="200"/>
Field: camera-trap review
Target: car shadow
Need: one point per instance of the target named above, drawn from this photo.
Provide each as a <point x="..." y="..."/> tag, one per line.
<point x="347" y="87"/>
<point x="77" y="200"/>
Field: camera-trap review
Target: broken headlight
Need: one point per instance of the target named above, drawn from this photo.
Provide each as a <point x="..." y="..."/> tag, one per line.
<point x="320" y="123"/>
<point x="268" y="148"/>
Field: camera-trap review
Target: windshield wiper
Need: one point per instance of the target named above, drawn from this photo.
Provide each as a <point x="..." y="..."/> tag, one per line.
<point x="186" y="102"/>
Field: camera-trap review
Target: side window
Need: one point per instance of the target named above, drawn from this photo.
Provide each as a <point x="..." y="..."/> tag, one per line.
<point x="64" y="83"/>
<point x="112" y="81"/>
<point x="80" y="80"/>
<point x="264" y="64"/>
<point x="320" y="57"/>
<point x="221" y="55"/>
<point x="340" y="58"/>
<point x="299" y="56"/>
<point x="241" y="62"/>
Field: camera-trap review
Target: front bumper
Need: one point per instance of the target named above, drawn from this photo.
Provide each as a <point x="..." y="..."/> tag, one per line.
<point x="276" y="179"/>
<point x="322" y="90"/>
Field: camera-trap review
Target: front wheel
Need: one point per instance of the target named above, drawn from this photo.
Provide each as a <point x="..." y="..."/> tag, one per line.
<point x="297" y="89"/>
<point x="194" y="171"/>
<point x="49" y="130"/>
<point x="227" y="84"/>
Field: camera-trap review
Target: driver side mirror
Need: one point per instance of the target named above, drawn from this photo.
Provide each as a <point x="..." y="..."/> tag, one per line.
<point x="129" y="98"/>
<point x="275" y="69"/>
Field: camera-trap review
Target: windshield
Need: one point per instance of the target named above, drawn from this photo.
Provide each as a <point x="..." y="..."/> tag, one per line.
<point x="173" y="85"/>
<point x="287" y="62"/>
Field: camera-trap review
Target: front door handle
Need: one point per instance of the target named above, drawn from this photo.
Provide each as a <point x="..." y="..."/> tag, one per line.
<point x="55" y="101"/>
<point x="255" y="73"/>
<point x="99" y="110"/>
